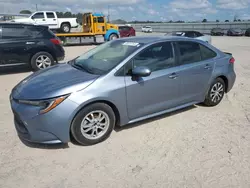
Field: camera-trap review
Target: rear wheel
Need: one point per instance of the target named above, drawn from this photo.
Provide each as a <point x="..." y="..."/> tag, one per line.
<point x="93" y="124"/>
<point x="65" y="28"/>
<point x="215" y="93"/>
<point x="41" y="60"/>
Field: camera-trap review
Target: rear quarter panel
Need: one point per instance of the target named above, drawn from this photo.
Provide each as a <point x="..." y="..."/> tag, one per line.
<point x="72" y="21"/>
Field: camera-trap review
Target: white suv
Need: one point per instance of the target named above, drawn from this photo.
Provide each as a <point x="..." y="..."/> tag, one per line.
<point x="147" y="29"/>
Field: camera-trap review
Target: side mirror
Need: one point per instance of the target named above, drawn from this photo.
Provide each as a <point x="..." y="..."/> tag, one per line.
<point x="141" y="71"/>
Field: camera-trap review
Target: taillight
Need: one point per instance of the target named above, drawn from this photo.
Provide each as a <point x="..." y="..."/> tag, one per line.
<point x="55" y="41"/>
<point x="232" y="60"/>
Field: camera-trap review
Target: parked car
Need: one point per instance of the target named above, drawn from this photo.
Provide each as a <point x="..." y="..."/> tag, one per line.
<point x="217" y="32"/>
<point x="50" y="19"/>
<point x="147" y="29"/>
<point x="235" y="32"/>
<point x="247" y="33"/>
<point x="191" y="34"/>
<point x="27" y="44"/>
<point x="119" y="82"/>
<point x="126" y="31"/>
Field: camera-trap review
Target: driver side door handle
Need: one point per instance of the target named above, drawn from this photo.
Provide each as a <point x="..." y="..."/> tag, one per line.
<point x="173" y="76"/>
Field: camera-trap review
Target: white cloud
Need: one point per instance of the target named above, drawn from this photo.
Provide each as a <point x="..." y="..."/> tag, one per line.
<point x="233" y="4"/>
<point x="188" y="9"/>
<point x="14" y="6"/>
<point x="190" y="4"/>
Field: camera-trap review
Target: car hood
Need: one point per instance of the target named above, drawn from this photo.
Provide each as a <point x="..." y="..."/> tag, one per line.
<point x="51" y="82"/>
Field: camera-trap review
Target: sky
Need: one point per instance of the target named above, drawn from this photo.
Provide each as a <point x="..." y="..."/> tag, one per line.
<point x="163" y="10"/>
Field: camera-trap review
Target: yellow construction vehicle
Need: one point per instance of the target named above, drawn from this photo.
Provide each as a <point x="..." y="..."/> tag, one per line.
<point x="94" y="29"/>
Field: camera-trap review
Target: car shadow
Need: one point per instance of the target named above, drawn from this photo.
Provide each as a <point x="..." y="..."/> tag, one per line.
<point x="44" y="146"/>
<point x="140" y="123"/>
<point x="14" y="70"/>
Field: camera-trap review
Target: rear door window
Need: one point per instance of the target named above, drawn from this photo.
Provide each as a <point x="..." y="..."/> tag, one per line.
<point x="189" y="52"/>
<point x="207" y="53"/>
<point x="124" y="28"/>
<point x="50" y="15"/>
<point x="14" y="32"/>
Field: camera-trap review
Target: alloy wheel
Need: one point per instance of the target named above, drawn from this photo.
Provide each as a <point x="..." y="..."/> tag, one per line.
<point x="217" y="92"/>
<point x="43" y="62"/>
<point x="95" y="124"/>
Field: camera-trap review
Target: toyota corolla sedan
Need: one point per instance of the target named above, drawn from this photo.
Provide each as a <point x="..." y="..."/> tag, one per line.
<point x="117" y="83"/>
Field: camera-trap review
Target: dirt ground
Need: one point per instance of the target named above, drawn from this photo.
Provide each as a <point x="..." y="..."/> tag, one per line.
<point x="195" y="147"/>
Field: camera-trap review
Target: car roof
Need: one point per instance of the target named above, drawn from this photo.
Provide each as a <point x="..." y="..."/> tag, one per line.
<point x="154" y="39"/>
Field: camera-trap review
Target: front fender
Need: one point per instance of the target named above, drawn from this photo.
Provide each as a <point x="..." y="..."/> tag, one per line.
<point x="109" y="32"/>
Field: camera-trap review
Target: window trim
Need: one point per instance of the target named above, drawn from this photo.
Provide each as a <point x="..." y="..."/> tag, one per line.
<point x="121" y="71"/>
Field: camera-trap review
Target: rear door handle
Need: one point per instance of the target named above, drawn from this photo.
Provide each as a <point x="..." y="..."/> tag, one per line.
<point x="173" y="76"/>
<point x="54" y="19"/>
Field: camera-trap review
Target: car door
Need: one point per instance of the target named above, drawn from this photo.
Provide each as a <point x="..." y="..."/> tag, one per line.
<point x="195" y="70"/>
<point x="51" y="20"/>
<point x="39" y="18"/>
<point x="160" y="90"/>
<point x="14" y="43"/>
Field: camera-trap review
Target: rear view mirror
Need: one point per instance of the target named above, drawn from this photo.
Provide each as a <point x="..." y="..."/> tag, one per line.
<point x="141" y="71"/>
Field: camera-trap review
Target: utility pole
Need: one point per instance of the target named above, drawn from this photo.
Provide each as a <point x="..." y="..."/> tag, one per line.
<point x="108" y="15"/>
<point x="36" y="8"/>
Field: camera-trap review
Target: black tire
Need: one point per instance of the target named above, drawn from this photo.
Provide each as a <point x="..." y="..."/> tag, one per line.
<point x="209" y="97"/>
<point x="65" y="28"/>
<point x="34" y="60"/>
<point x="76" y="124"/>
<point x="113" y="37"/>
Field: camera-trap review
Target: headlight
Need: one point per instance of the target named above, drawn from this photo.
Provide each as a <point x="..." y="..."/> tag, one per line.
<point x="46" y="105"/>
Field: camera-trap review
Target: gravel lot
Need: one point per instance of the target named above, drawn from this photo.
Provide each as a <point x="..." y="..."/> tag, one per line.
<point x="195" y="147"/>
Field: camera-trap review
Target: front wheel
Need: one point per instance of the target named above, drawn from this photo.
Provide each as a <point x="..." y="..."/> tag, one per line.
<point x="215" y="93"/>
<point x="113" y="37"/>
<point x="93" y="124"/>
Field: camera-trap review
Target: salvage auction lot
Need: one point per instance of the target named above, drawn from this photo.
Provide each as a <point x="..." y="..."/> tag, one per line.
<point x="195" y="147"/>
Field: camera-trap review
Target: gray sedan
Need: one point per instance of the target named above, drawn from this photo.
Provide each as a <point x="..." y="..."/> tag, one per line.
<point x="119" y="82"/>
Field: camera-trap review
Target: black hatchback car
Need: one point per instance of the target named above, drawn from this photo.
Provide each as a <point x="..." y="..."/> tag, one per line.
<point x="34" y="45"/>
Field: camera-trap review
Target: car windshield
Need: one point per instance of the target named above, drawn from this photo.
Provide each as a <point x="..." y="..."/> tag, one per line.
<point x="102" y="59"/>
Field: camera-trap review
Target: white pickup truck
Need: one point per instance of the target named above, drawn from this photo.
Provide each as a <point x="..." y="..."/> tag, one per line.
<point x="50" y="19"/>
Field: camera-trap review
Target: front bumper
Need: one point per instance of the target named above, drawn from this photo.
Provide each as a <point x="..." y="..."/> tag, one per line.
<point x="50" y="128"/>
